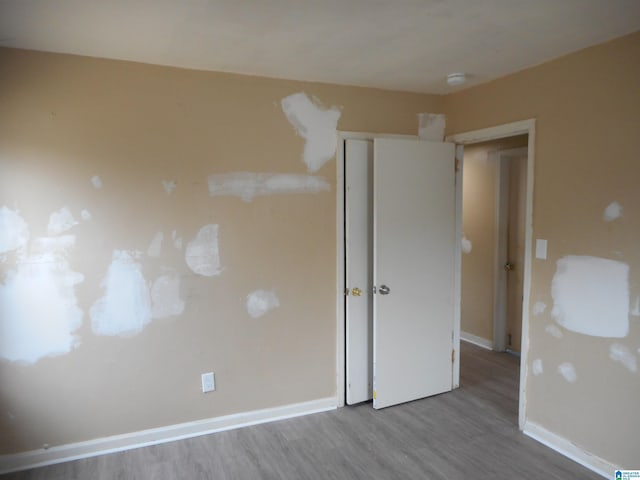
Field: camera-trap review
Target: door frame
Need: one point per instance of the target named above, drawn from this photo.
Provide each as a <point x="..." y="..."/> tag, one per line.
<point x="340" y="252"/>
<point x="483" y="135"/>
<point x="502" y="239"/>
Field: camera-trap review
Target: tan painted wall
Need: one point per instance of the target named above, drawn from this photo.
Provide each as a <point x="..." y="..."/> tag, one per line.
<point x="478" y="224"/>
<point x="64" y="119"/>
<point x="586" y="107"/>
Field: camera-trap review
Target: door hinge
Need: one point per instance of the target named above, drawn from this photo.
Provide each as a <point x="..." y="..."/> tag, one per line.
<point x="346" y="292"/>
<point x="453" y="356"/>
<point x="457" y="165"/>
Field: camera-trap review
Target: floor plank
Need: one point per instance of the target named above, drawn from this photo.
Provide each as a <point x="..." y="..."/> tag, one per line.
<point x="469" y="433"/>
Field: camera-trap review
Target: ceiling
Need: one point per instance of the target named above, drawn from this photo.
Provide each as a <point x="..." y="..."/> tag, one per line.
<point x="392" y="44"/>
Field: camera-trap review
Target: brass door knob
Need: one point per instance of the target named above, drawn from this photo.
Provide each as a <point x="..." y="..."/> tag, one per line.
<point x="356" y="292"/>
<point x="509" y="266"/>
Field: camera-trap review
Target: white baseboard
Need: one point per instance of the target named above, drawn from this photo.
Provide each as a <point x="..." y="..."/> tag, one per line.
<point x="569" y="449"/>
<point x="143" y="438"/>
<point x="476" y="340"/>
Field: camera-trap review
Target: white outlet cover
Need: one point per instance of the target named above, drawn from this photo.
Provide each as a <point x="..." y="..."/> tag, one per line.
<point x="208" y="382"/>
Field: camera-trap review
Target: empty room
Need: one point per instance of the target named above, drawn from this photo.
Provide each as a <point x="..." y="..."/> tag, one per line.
<point x="319" y="239"/>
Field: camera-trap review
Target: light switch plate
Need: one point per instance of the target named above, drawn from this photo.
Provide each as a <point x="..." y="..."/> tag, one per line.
<point x="541" y="249"/>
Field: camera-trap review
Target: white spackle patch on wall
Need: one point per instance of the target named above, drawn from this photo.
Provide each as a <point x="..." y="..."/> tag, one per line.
<point x="553" y="330"/>
<point x="591" y="296"/>
<point x="155" y="247"/>
<point x="316" y="125"/>
<point x="568" y="372"/>
<point x="165" y="296"/>
<point x="259" y="302"/>
<point x="622" y="354"/>
<point x="85" y="215"/>
<point x="14" y="231"/>
<point x="125" y="308"/>
<point x="466" y="244"/>
<point x="96" y="181"/>
<point x="248" y="185"/>
<point x="613" y="211"/>
<point x="60" y="245"/>
<point x="169" y="185"/>
<point x="61" y="221"/>
<point x="32" y="330"/>
<point x="177" y="241"/>
<point x="536" y="367"/>
<point x="635" y="311"/>
<point x="431" y="126"/>
<point x="202" y="253"/>
<point x="539" y="308"/>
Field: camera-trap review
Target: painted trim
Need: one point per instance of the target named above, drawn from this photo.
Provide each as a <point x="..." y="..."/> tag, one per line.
<point x="155" y="436"/>
<point x="501" y="131"/>
<point x="340" y="272"/>
<point x="570" y="450"/>
<point x="340" y="252"/>
<point x="476" y="340"/>
<point x="457" y="275"/>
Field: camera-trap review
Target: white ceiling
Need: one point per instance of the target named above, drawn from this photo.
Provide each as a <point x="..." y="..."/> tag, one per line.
<point x="393" y="44"/>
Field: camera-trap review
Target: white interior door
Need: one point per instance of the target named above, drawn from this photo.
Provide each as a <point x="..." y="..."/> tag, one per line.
<point x="414" y="252"/>
<point x="359" y="269"/>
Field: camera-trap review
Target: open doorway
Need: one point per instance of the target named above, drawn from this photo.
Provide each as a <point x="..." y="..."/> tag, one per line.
<point x="502" y="144"/>
<point x="493" y="225"/>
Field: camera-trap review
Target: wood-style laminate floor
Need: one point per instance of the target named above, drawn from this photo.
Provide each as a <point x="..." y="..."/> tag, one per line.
<point x="470" y="433"/>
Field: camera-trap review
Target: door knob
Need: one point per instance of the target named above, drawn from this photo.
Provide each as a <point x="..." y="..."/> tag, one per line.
<point x="384" y="290"/>
<point x="509" y="266"/>
<point x="356" y="292"/>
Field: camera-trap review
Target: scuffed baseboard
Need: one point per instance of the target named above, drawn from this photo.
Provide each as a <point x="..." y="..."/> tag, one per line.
<point x="569" y="450"/>
<point x="143" y="438"/>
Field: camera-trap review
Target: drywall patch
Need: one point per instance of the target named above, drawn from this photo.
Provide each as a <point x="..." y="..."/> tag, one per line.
<point x="613" y="211"/>
<point x="568" y="372"/>
<point x="96" y="181"/>
<point x="553" y="330"/>
<point x="85" y="215"/>
<point x="46" y="245"/>
<point x="622" y="354"/>
<point x="155" y="247"/>
<point x="165" y="296"/>
<point x="202" y="254"/>
<point x="169" y="185"/>
<point x="466" y="244"/>
<point x="32" y="330"/>
<point x="14" y="231"/>
<point x="125" y="308"/>
<point x="539" y="308"/>
<point x="61" y="221"/>
<point x="431" y="126"/>
<point x="635" y="311"/>
<point x="260" y="302"/>
<point x="316" y="125"/>
<point x="536" y="367"/>
<point x="591" y="296"/>
<point x="177" y="241"/>
<point x="248" y="185"/>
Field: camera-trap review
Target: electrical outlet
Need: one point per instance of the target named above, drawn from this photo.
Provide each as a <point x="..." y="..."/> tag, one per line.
<point x="208" y="382"/>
